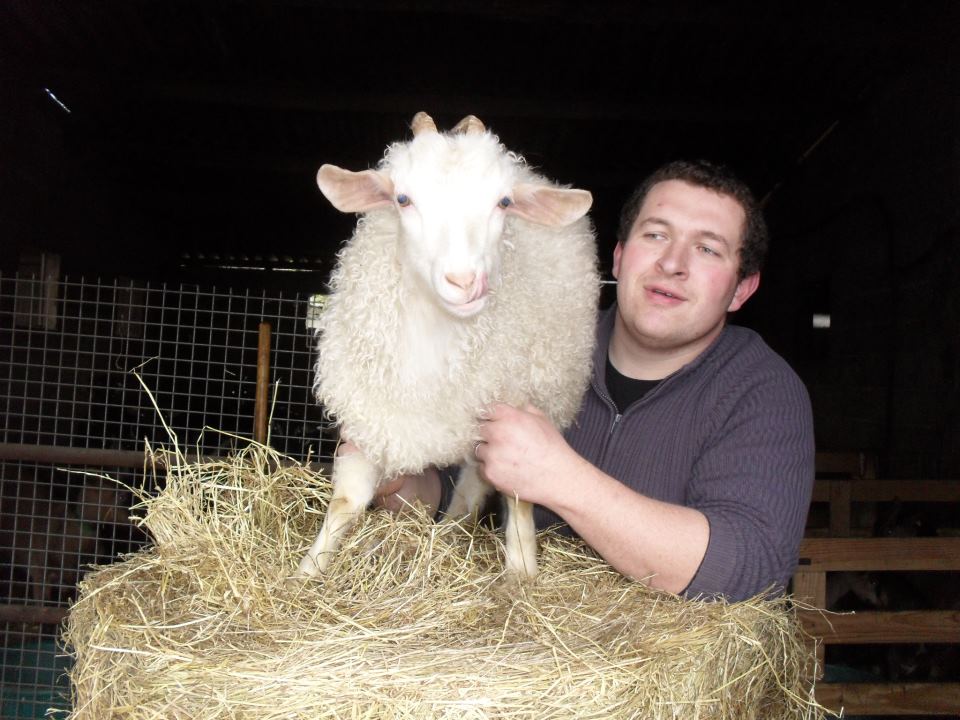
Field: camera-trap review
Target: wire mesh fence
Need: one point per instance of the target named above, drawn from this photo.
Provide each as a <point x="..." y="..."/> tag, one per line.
<point x="89" y="372"/>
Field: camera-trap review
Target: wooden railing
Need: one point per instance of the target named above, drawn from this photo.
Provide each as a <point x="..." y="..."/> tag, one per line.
<point x="820" y="556"/>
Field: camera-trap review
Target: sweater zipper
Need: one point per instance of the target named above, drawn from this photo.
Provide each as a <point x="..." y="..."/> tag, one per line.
<point x="617" y="417"/>
<point x="610" y="433"/>
<point x="616" y="421"/>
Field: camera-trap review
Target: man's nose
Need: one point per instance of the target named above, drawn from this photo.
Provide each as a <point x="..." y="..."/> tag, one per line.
<point x="674" y="259"/>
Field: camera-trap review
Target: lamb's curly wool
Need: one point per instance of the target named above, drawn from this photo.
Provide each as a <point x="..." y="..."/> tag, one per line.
<point x="469" y="280"/>
<point x="531" y="343"/>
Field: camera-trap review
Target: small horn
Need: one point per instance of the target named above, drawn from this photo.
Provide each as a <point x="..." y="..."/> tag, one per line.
<point x="470" y="125"/>
<point x="422" y="123"/>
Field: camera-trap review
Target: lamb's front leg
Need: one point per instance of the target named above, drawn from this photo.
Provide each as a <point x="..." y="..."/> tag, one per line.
<point x="521" y="535"/>
<point x="354" y="481"/>
<point x="470" y="491"/>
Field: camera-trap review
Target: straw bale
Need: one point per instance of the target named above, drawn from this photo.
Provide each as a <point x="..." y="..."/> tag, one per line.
<point x="413" y="620"/>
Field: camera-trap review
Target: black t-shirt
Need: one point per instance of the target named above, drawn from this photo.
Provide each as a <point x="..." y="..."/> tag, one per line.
<point x="624" y="391"/>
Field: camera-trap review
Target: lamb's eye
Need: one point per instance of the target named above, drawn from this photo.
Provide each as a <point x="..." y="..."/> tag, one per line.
<point x="403" y="200"/>
<point x="505" y="202"/>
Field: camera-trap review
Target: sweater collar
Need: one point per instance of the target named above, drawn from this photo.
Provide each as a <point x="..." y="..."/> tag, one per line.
<point x="605" y="326"/>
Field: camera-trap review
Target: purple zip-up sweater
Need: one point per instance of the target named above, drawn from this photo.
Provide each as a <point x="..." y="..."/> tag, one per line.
<point x="730" y="434"/>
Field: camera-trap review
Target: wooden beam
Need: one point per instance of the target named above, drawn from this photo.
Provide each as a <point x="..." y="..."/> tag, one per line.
<point x="905" y="490"/>
<point x="852" y="464"/>
<point x="33" y="614"/>
<point x="890" y="698"/>
<point x="866" y="490"/>
<point x="55" y="454"/>
<point x="869" y="627"/>
<point x="879" y="554"/>
<point x="97" y="457"/>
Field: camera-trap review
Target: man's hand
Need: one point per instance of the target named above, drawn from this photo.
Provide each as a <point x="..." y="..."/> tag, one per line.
<point x="522" y="454"/>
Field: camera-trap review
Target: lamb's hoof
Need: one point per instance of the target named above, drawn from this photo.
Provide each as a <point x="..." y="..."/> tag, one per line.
<point x="522" y="576"/>
<point x="295" y="583"/>
<point x="310" y="568"/>
<point x="466" y="520"/>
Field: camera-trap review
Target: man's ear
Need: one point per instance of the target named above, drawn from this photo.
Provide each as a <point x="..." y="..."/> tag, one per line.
<point x="617" y="252"/>
<point x="745" y="288"/>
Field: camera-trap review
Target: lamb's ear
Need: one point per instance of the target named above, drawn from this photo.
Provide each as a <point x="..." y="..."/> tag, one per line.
<point x="547" y="205"/>
<point x="351" y="192"/>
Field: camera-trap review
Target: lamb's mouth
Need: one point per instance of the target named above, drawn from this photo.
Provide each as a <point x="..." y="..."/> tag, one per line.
<point x="468" y="308"/>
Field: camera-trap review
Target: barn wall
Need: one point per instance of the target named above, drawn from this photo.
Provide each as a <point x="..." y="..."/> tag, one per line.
<point x="868" y="230"/>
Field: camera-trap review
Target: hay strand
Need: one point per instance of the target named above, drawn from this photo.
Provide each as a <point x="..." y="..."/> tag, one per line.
<point x="412" y="620"/>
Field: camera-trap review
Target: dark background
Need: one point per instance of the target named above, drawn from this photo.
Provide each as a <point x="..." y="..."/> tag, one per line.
<point x="190" y="133"/>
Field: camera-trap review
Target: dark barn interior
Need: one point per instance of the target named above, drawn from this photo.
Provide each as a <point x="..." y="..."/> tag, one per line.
<point x="178" y="142"/>
<point x="172" y="140"/>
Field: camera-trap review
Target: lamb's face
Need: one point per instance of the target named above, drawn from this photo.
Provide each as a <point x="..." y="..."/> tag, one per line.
<point x="451" y="194"/>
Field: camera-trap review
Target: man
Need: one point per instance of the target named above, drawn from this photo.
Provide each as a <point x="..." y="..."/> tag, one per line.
<point x="690" y="464"/>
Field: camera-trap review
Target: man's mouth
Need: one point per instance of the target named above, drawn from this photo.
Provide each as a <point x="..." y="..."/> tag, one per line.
<point x="661" y="292"/>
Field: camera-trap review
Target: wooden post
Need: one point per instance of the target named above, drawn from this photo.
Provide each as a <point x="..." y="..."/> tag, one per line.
<point x="261" y="411"/>
<point x="840" y="508"/>
<point x="810" y="588"/>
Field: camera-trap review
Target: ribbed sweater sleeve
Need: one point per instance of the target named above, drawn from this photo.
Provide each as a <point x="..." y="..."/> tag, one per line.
<point x="731" y="435"/>
<point x="753" y="479"/>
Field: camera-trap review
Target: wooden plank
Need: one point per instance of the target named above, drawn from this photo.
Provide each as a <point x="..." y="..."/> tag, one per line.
<point x="821" y="490"/>
<point x="840" y="509"/>
<point x="827" y="554"/>
<point x="32" y="614"/>
<point x="837" y="463"/>
<point x="905" y="490"/>
<point x="810" y="588"/>
<point x="906" y="626"/>
<point x="863" y="490"/>
<point x="55" y="454"/>
<point x="890" y="698"/>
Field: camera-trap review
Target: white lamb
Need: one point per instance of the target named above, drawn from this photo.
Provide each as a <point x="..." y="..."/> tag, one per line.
<point x="469" y="280"/>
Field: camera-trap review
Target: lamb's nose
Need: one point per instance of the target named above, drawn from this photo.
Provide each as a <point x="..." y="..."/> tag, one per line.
<point x="464" y="281"/>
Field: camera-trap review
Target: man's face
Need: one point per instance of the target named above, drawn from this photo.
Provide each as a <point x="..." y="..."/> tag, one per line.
<point x="677" y="270"/>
